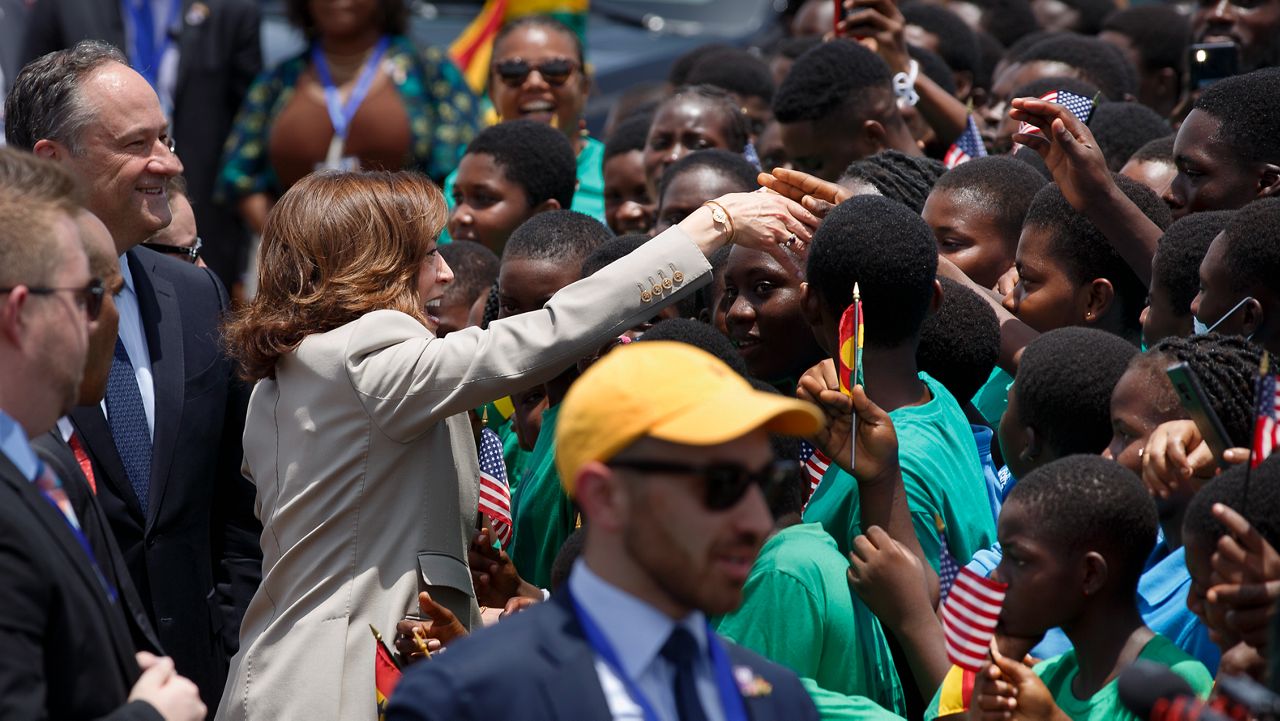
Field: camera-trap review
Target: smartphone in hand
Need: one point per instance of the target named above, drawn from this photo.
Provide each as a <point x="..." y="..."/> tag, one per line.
<point x="1207" y="63"/>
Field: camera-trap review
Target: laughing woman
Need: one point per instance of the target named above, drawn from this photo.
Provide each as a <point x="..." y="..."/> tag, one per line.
<point x="357" y="438"/>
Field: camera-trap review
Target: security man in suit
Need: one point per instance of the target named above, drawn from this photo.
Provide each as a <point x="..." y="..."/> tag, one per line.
<point x="65" y="647"/>
<point x="165" y="445"/>
<point x="665" y="449"/>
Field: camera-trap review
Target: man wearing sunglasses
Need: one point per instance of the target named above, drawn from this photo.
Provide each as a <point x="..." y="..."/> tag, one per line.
<point x="164" y="446"/>
<point x="665" y="450"/>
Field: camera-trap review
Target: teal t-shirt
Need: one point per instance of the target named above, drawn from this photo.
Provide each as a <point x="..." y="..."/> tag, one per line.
<point x="797" y="611"/>
<point x="1058" y="673"/>
<point x="942" y="476"/>
<point x="588" y="198"/>
<point x="541" y="511"/>
<point x="993" y="397"/>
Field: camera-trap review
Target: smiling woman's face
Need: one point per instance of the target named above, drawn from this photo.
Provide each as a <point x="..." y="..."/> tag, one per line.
<point x="433" y="276"/>
<point x="535" y="98"/>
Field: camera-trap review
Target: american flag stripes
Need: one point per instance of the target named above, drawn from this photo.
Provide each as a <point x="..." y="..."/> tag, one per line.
<point x="815" y="466"/>
<point x="969" y="618"/>
<point x="495" y="494"/>
<point x="948" y="568"/>
<point x="1266" y="429"/>
<point x="1079" y="105"/>
<point x="967" y="147"/>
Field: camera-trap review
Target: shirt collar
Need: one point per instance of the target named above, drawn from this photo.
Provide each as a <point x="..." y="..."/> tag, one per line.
<point x="126" y="273"/>
<point x="15" y="445"/>
<point x="635" y="630"/>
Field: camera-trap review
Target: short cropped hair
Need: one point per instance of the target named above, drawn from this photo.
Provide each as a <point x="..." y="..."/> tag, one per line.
<point x="722" y="162"/>
<point x="889" y="251"/>
<point x="934" y="67"/>
<point x="611" y="250"/>
<point x="1122" y="128"/>
<point x="533" y="155"/>
<point x="829" y="78"/>
<point x="1159" y="150"/>
<point x="905" y="178"/>
<point x="629" y="135"/>
<point x="33" y="193"/>
<point x="45" y="103"/>
<point x="475" y="269"/>
<point x="1252" y="251"/>
<point x="1259" y="504"/>
<point x="1000" y="186"/>
<point x="1159" y="33"/>
<point x="565" y="236"/>
<point x="1087" y="503"/>
<point x="1098" y="62"/>
<point x="1244" y="106"/>
<point x="1086" y="253"/>
<point x="736" y="70"/>
<point x="1179" y="252"/>
<point x="1064" y="385"/>
<point x="960" y="343"/>
<point x="957" y="43"/>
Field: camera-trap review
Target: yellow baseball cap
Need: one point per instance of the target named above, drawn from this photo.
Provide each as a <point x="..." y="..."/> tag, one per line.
<point x="670" y="391"/>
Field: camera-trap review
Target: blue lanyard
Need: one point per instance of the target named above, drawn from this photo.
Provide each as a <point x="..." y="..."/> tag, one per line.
<point x="84" y="543"/>
<point x="146" y="56"/>
<point x="730" y="700"/>
<point x="339" y="114"/>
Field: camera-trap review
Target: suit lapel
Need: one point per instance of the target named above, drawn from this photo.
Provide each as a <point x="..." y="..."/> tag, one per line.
<point x="55" y="524"/>
<point x="575" y="691"/>
<point x="162" y="322"/>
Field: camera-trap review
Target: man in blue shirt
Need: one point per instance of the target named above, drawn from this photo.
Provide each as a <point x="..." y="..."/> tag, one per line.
<point x="65" y="649"/>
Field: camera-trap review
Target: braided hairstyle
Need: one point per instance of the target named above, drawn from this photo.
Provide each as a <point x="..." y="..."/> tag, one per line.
<point x="492" y="305"/>
<point x="897" y="176"/>
<point x="1227" y="366"/>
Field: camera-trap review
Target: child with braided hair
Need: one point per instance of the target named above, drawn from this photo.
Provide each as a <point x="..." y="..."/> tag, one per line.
<point x="897" y="176"/>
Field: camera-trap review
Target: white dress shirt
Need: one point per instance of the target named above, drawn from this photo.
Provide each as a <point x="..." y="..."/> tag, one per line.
<point x="637" y="632"/>
<point x="135" y="344"/>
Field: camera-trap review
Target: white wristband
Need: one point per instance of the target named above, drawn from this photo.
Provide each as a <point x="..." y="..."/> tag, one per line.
<point x="904" y="84"/>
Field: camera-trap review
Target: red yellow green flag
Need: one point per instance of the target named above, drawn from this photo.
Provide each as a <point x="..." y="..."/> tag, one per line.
<point x="851" y="337"/>
<point x="386" y="673"/>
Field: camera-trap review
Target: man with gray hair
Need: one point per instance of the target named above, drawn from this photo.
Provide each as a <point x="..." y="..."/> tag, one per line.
<point x="164" y="446"/>
<point x="65" y="648"/>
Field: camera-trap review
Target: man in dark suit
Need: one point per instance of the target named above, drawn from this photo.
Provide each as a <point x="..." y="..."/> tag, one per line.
<point x="218" y="51"/>
<point x="65" y="650"/>
<point x="165" y="445"/>
<point x="664" y="449"/>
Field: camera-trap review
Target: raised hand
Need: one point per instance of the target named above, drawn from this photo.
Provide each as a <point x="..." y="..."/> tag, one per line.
<point x="818" y="196"/>
<point x="493" y="574"/>
<point x="417" y="640"/>
<point x="1068" y="148"/>
<point x="879" y="25"/>
<point x="1246" y="578"/>
<point x="890" y="579"/>
<point x="1009" y="689"/>
<point x="876" y="439"/>
<point x="1176" y="454"/>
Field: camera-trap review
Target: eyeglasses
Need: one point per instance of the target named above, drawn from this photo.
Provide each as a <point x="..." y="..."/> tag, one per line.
<point x="724" y="483"/>
<point x="89" y="297"/>
<point x="190" y="254"/>
<point x="555" y="71"/>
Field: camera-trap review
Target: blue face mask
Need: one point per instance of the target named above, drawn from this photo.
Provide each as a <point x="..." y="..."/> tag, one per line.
<point x="1199" y="328"/>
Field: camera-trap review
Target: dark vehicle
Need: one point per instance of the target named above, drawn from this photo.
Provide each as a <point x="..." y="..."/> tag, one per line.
<point x="628" y="41"/>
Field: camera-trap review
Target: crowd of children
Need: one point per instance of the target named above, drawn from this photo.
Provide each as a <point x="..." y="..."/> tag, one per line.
<point x="1029" y="272"/>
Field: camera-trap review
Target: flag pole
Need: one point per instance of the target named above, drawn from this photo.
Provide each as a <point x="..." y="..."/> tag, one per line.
<point x="1264" y="367"/>
<point x="857" y="368"/>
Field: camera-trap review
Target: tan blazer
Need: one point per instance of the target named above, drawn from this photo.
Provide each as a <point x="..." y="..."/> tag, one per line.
<point x="366" y="472"/>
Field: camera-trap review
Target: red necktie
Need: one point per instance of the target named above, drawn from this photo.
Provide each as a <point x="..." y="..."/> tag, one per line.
<point x="86" y="466"/>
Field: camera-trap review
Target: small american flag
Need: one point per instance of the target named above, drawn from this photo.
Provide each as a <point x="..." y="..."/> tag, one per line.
<point x="967" y="147"/>
<point x="815" y="466"/>
<point x="1266" y="429"/>
<point x="948" y="568"/>
<point x="495" y="494"/>
<point x="969" y="618"/>
<point x="1079" y="105"/>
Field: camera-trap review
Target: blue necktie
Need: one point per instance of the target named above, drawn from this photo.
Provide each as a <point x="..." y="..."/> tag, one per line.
<point x="128" y="420"/>
<point x="681" y="651"/>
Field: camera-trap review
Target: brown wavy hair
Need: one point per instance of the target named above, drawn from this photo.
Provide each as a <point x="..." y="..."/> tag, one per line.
<point x="336" y="246"/>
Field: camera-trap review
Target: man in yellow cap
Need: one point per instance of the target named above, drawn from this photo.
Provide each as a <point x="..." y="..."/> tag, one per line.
<point x="665" y="450"/>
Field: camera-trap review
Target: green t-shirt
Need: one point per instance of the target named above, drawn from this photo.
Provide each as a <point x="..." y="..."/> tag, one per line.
<point x="942" y="476"/>
<point x="543" y="515"/>
<point x="993" y="397"/>
<point x="834" y="706"/>
<point x="1059" y="671"/>
<point x="797" y="611"/>
<point x="588" y="198"/>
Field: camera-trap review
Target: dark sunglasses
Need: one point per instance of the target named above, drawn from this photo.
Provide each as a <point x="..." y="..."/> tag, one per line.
<point x="190" y="255"/>
<point x="515" y="71"/>
<point x="89" y="297"/>
<point x="724" y="484"/>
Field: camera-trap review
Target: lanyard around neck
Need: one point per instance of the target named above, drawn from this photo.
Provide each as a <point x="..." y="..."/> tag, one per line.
<point x="340" y="115"/>
<point x="730" y="699"/>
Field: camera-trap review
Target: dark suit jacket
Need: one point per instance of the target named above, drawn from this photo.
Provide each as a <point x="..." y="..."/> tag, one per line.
<point x="218" y="59"/>
<point x="194" y="557"/>
<point x="97" y="530"/>
<point x="65" y="651"/>
<point x="538" y="666"/>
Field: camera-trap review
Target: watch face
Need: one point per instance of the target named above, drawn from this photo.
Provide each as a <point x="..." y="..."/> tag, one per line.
<point x="717" y="214"/>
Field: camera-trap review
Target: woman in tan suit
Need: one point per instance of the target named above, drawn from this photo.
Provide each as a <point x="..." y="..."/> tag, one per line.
<point x="357" y="437"/>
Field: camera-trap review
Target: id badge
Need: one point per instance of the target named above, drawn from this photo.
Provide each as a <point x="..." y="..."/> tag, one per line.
<point x="335" y="160"/>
